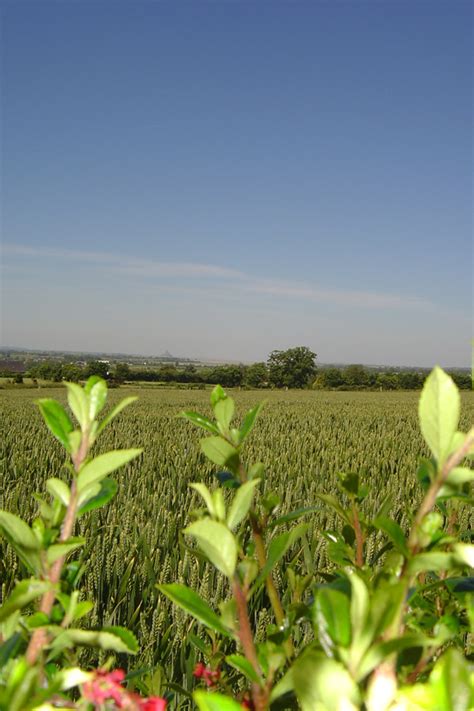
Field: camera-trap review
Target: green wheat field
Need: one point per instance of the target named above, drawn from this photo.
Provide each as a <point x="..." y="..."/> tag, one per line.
<point x="304" y="438"/>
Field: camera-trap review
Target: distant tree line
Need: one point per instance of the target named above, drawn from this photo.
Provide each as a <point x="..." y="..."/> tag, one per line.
<point x="291" y="368"/>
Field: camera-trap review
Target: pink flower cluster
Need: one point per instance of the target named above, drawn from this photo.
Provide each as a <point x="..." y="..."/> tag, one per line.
<point x="210" y="676"/>
<point x="107" y="686"/>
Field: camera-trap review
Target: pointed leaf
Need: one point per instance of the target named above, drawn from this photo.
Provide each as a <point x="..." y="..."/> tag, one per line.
<point x="206" y="495"/>
<point x="23" y="593"/>
<point x="59" y="490"/>
<point x="218" y="393"/>
<point x="192" y="603"/>
<point x="77" y="401"/>
<point x="218" y="450"/>
<point x="224" y="412"/>
<point x="241" y="503"/>
<point x="58" y="550"/>
<point x="18" y="531"/>
<point x="249" y="421"/>
<point x="94" y="471"/>
<point x="97" y="392"/>
<point x="217" y="542"/>
<point x="57" y="420"/>
<point x="200" y="421"/>
<point x="277" y="549"/>
<point x="438" y="411"/>
<point x="107" y="490"/>
<point x="215" y="702"/>
<point x="243" y="665"/>
<point x="394" y="532"/>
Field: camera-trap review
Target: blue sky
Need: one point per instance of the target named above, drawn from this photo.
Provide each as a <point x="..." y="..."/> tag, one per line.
<point x="220" y="179"/>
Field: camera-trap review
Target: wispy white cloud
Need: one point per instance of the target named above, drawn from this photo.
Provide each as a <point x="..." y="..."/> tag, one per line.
<point x="157" y="272"/>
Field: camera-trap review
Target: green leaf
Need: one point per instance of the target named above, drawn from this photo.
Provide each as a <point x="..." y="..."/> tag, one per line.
<point x="23" y="593"/>
<point x="215" y="702"/>
<point x="92" y="472"/>
<point x="58" y="550"/>
<point x="115" y="411"/>
<point x="277" y="549"/>
<point x="322" y="684"/>
<point x="332" y="501"/>
<point x="57" y="420"/>
<point x="204" y="492"/>
<point x="59" y="490"/>
<point x="394" y="532"/>
<point x="116" y="639"/>
<point x="452" y="682"/>
<point x="243" y="665"/>
<point x="331" y="615"/>
<point x="218" y="450"/>
<point x="217" y="542"/>
<point x="362" y="630"/>
<point x="438" y="411"/>
<point x="97" y="390"/>
<point x="18" y="531"/>
<point x="218" y="393"/>
<point x="107" y="491"/>
<point x="127" y="637"/>
<point x="77" y="401"/>
<point x="241" y="503"/>
<point x="192" y="603"/>
<point x="249" y="421"/>
<point x="459" y="476"/>
<point x="10" y="648"/>
<point x="200" y="421"/>
<point x="293" y="515"/>
<point x="224" y="412"/>
<point x="435" y="561"/>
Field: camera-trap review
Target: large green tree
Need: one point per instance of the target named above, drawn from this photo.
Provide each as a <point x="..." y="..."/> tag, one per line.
<point x="293" y="368"/>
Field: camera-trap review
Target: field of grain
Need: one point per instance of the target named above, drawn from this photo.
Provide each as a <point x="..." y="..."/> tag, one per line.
<point x="304" y="438"/>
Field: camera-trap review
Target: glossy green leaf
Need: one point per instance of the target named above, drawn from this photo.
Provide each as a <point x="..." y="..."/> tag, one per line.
<point x="127" y="637"/>
<point x="277" y="549"/>
<point x="217" y="394"/>
<point x="59" y="490"/>
<point x="438" y="411"/>
<point x="333" y="502"/>
<point x="249" y="421"/>
<point x="224" y="412"/>
<point x="58" y="550"/>
<point x="242" y="664"/>
<point x="217" y="542"/>
<point x="192" y="603"/>
<point x="201" y="421"/>
<point x="434" y="561"/>
<point x="321" y="684"/>
<point x="452" y="682"/>
<point x="331" y="616"/>
<point x="115" y="411"/>
<point x="215" y="702"/>
<point x="97" y="391"/>
<point x="57" y="420"/>
<point x="113" y="638"/>
<point x="77" y="400"/>
<point x="394" y="532"/>
<point x="218" y="450"/>
<point x="18" y="531"/>
<point x="460" y="475"/>
<point x="23" y="594"/>
<point x="108" y="489"/>
<point x="293" y="515"/>
<point x="241" y="503"/>
<point x="204" y="492"/>
<point x="97" y="469"/>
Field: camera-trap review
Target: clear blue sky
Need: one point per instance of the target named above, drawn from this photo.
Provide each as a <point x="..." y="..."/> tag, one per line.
<point x="220" y="179"/>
